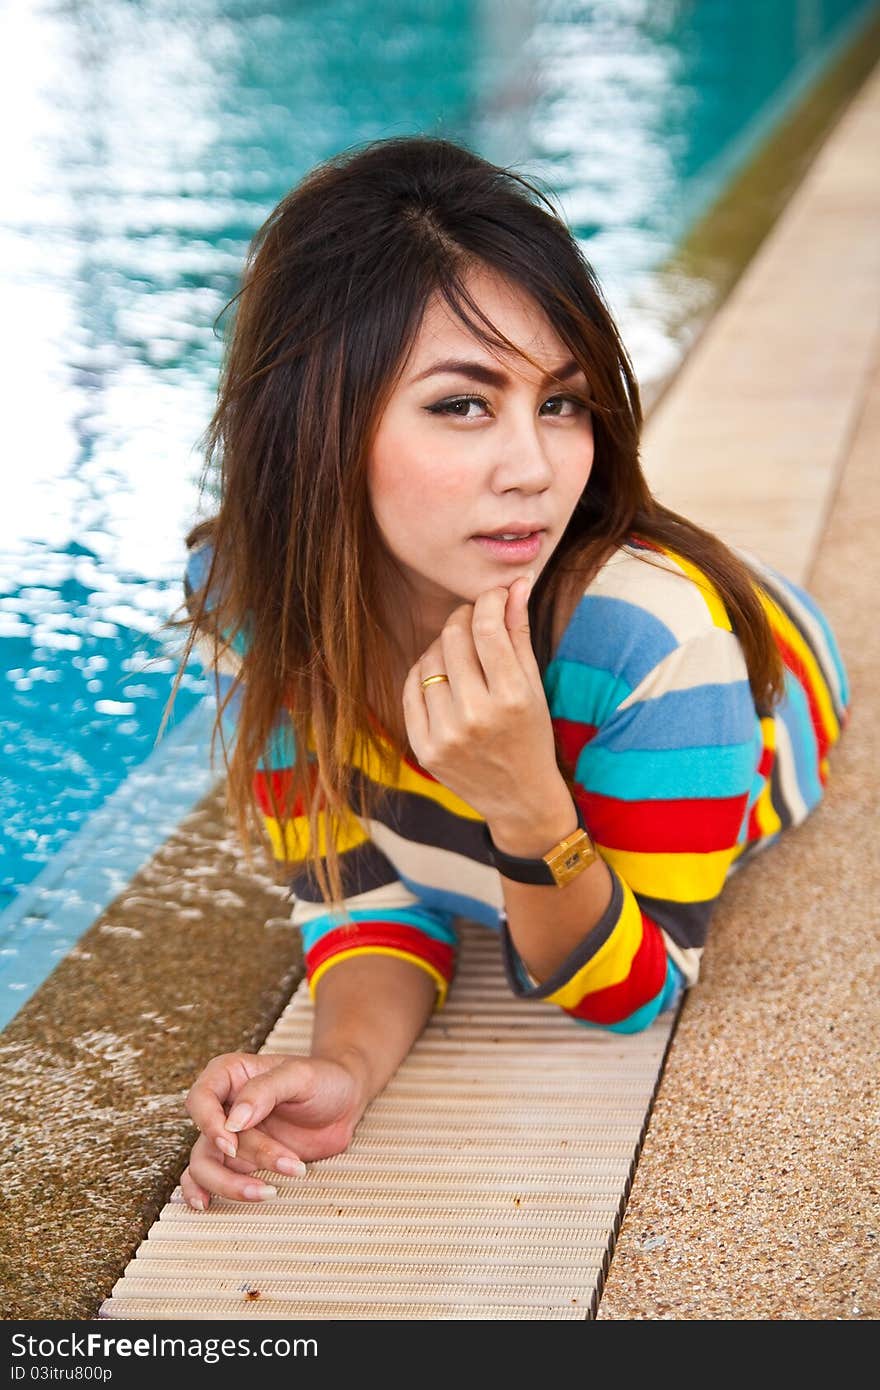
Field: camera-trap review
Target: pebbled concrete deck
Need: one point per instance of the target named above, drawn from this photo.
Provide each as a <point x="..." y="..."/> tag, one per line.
<point x="756" y="1192"/>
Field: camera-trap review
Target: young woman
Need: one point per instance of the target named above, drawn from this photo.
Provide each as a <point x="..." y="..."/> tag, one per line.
<point x="467" y="664"/>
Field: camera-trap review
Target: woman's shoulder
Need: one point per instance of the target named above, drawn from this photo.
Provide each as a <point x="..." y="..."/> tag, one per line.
<point x="644" y="593"/>
<point x="648" y="620"/>
<point x="232" y="647"/>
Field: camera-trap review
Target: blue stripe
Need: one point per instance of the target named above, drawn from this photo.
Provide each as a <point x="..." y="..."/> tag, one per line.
<point x="458" y="904"/>
<point x="280" y="747"/>
<point x="229" y="719"/>
<point x="702" y="715"/>
<point x="429" y="924"/>
<point x="197" y="566"/>
<point x="618" y="636"/>
<point x="759" y="782"/>
<point x="586" y="694"/>
<point x="667" y="774"/>
<point x="794" y="711"/>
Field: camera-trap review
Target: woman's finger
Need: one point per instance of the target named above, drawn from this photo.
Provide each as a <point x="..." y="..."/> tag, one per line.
<point x="208" y="1174"/>
<point x="259" y="1148"/>
<point x="194" y="1195"/>
<point x="290" y="1080"/>
<point x="198" y="1196"/>
<point x="415" y="714"/>
<point x="498" y="648"/>
<point x="220" y="1080"/>
<point x="516" y="616"/>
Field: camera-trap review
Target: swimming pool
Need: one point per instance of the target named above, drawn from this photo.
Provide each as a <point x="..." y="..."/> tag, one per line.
<point x="132" y="190"/>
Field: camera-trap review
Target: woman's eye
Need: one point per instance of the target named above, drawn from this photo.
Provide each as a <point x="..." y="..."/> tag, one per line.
<point x="459" y="406"/>
<point x="454" y="407"/>
<point x="578" y="405"/>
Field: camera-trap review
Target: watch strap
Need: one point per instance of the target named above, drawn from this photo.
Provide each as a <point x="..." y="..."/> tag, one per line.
<point x="563" y="862"/>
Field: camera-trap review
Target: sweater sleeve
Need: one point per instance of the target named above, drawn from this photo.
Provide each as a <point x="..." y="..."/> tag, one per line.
<point x="664" y="779"/>
<point x="379" y="915"/>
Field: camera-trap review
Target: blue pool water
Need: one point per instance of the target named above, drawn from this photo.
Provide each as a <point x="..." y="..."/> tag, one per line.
<point x="152" y="139"/>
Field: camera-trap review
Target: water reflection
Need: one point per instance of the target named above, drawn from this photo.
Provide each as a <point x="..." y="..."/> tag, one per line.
<point x="151" y="139"/>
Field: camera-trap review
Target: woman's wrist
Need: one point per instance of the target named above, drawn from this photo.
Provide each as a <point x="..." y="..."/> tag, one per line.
<point x="529" y="831"/>
<point x="356" y="1062"/>
<point x="369" y="1010"/>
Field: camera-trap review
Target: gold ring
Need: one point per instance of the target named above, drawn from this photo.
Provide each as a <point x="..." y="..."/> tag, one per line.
<point x="431" y="680"/>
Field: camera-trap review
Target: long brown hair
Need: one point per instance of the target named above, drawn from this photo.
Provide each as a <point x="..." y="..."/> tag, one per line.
<point x="334" y="289"/>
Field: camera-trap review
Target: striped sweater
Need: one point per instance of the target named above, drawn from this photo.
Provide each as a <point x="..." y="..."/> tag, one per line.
<point x="679" y="777"/>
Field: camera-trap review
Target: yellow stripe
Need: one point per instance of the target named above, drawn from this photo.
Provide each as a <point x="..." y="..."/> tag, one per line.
<point x="683" y="878"/>
<point x="787" y="630"/>
<point x="766" y="816"/>
<point x="611" y="963"/>
<point x="768" y="732"/>
<point x="713" y="599"/>
<point x="439" y="980"/>
<point x="295" y="844"/>
<point x="765" y="813"/>
<point x="370" y="763"/>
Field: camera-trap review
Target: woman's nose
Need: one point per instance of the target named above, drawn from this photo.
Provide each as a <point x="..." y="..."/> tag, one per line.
<point x="523" y="460"/>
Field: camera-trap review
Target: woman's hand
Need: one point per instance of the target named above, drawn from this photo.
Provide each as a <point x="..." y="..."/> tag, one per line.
<point x="299" y="1108"/>
<point x="487" y="735"/>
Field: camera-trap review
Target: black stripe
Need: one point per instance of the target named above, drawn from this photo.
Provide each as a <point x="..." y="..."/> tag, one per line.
<point x="413" y="817"/>
<point x="573" y="962"/>
<point x="686" y="923"/>
<point x="777" y="795"/>
<point x="362" y="868"/>
<point x="423" y="820"/>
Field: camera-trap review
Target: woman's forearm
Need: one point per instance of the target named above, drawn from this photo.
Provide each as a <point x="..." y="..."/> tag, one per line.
<point x="547" y="923"/>
<point x="369" y="1010"/>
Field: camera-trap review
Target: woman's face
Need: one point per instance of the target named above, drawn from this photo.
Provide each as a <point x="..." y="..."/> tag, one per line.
<point x="458" y="455"/>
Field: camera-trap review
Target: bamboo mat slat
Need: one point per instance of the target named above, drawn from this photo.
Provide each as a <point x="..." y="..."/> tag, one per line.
<point x="488" y="1180"/>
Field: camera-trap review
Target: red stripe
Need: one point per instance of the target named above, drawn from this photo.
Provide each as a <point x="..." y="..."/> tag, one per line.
<point x="281" y="782"/>
<point x="640" y="541"/>
<point x="754" y="831"/>
<point x="663" y="827"/>
<point x="643" y="983"/>
<point x="765" y="765"/>
<point x="572" y="736"/>
<point x="395" y="935"/>
<point x="796" y="666"/>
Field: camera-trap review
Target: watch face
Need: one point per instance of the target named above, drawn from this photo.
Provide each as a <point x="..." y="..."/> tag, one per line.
<point x="572" y="860"/>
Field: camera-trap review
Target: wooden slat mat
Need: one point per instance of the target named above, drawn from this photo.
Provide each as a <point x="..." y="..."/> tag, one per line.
<point x="486" y="1181"/>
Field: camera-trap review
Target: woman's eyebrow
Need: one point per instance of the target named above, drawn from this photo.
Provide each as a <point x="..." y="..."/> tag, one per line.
<point x="477" y="371"/>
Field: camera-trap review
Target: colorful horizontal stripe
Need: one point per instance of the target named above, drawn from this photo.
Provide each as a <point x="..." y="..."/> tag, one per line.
<point x="679" y="777"/>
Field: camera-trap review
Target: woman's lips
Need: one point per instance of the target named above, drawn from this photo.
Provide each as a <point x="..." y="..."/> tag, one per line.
<point x="513" y="552"/>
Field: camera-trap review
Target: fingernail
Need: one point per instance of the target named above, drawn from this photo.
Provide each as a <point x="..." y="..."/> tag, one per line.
<point x="238" y="1117"/>
<point x="197" y="1203"/>
<point x="226" y="1146"/>
<point x="260" y="1189"/>
<point x="291" y="1165"/>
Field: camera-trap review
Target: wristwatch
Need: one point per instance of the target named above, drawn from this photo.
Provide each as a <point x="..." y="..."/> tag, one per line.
<point x="559" y="865"/>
